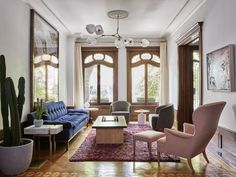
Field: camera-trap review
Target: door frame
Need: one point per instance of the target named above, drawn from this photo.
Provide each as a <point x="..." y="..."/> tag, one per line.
<point x="185" y="103"/>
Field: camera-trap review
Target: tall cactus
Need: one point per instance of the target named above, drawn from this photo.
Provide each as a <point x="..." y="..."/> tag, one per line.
<point x="4" y="107"/>
<point x="21" y="95"/>
<point x="9" y="100"/>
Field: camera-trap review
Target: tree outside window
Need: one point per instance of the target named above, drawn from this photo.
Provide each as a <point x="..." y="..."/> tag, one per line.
<point x="143" y="75"/>
<point x="45" y="78"/>
<point x="100" y="75"/>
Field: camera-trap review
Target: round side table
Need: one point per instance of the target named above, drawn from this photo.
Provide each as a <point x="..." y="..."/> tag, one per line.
<point x="141" y="115"/>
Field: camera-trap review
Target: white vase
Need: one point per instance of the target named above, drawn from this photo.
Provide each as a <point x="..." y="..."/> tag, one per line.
<point x="16" y="159"/>
<point x="38" y="122"/>
<point x="86" y="105"/>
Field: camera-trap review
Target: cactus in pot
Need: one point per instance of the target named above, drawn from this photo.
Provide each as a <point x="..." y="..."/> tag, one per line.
<point x="40" y="112"/>
<point x="14" y="150"/>
<point x="12" y="132"/>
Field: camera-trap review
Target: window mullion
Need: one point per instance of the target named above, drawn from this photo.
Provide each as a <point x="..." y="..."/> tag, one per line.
<point x="46" y="82"/>
<point x="146" y="82"/>
<point x="98" y="84"/>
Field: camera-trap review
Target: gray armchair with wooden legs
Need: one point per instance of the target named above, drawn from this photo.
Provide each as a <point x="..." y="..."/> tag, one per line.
<point x="121" y="108"/>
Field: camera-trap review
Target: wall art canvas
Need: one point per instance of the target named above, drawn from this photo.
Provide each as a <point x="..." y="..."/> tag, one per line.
<point x="221" y="69"/>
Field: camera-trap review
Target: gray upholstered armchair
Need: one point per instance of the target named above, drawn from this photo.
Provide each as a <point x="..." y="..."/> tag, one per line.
<point x="164" y="117"/>
<point x="121" y="108"/>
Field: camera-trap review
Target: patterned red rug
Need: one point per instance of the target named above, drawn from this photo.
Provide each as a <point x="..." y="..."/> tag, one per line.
<point x="89" y="151"/>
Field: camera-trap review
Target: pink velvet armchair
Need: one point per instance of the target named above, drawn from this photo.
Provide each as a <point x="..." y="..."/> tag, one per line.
<point x="195" y="137"/>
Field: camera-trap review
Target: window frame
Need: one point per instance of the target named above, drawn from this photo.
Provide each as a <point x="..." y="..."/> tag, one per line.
<point x="32" y="55"/>
<point x="112" y="52"/>
<point x="131" y="52"/>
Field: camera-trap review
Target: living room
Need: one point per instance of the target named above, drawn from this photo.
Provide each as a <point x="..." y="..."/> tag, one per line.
<point x="160" y="28"/>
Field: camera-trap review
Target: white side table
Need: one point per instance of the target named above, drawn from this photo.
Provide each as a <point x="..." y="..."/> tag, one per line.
<point x="141" y="115"/>
<point x="91" y="110"/>
<point x="45" y="130"/>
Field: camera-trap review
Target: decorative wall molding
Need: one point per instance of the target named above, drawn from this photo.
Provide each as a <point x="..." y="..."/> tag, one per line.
<point x="190" y="35"/>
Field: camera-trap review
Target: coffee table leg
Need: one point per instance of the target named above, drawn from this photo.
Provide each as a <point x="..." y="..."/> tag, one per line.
<point x="38" y="143"/>
<point x="50" y="145"/>
<point x="90" y="118"/>
<point x="54" y="144"/>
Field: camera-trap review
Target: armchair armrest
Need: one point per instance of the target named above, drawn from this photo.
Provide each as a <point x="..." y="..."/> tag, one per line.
<point x="110" y="108"/>
<point x="176" y="134"/>
<point x="129" y="108"/>
<point x="189" y="128"/>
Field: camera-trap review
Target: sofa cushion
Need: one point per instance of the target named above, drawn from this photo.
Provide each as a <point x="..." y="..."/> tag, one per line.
<point x="73" y="119"/>
<point x="54" y="110"/>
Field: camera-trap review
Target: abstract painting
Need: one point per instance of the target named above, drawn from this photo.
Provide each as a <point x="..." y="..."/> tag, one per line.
<point x="221" y="69"/>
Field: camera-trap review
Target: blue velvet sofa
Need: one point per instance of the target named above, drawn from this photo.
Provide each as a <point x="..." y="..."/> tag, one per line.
<point x="72" y="120"/>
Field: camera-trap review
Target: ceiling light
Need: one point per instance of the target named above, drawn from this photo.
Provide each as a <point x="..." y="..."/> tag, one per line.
<point x="119" y="41"/>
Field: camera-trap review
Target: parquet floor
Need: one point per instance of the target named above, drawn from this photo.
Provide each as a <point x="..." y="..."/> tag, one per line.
<point x="59" y="166"/>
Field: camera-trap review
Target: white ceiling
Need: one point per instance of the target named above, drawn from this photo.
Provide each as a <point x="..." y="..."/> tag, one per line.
<point x="147" y="18"/>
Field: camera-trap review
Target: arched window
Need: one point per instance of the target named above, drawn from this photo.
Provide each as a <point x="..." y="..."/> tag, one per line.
<point x="100" y="75"/>
<point x="143" y="75"/>
<point x="45" y="81"/>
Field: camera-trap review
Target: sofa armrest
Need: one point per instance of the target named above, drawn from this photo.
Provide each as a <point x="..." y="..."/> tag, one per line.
<point x="30" y="118"/>
<point x="74" y="111"/>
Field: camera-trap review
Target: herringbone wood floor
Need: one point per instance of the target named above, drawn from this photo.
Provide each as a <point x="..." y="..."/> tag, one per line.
<point x="59" y="165"/>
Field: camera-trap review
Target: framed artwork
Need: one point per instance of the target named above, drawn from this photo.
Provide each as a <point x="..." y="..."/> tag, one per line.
<point x="44" y="51"/>
<point x="221" y="69"/>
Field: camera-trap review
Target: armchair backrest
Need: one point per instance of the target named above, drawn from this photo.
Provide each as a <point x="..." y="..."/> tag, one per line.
<point x="120" y="106"/>
<point x="205" y="120"/>
<point x="166" y="116"/>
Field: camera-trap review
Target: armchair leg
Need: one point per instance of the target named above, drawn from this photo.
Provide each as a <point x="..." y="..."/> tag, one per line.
<point x="190" y="165"/>
<point x="134" y="144"/>
<point x="205" y="156"/>
<point x="158" y="158"/>
<point x="149" y="149"/>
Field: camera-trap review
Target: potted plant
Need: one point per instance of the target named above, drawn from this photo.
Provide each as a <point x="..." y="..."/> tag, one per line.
<point x="15" y="152"/>
<point x="40" y="112"/>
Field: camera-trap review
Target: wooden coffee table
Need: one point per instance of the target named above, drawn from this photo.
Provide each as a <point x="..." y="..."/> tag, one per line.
<point x="109" y="130"/>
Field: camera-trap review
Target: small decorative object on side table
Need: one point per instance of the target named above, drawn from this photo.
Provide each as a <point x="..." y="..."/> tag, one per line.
<point x="40" y="112"/>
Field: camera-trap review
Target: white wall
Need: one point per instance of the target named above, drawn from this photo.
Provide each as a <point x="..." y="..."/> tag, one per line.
<point x="219" y="29"/>
<point x="122" y="74"/>
<point x="15" y="45"/>
<point x="63" y="62"/>
<point x="70" y="70"/>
